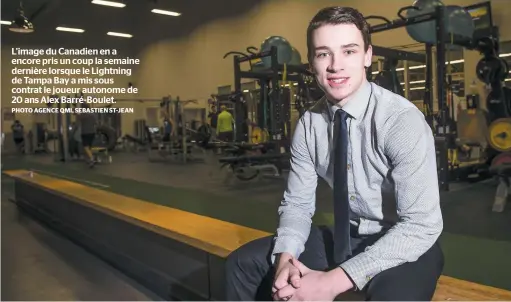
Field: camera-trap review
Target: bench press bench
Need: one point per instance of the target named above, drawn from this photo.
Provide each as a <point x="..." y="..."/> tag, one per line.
<point x="248" y="167"/>
<point x="100" y="155"/>
<point x="176" y="254"/>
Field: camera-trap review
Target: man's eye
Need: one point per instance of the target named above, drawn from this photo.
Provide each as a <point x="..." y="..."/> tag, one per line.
<point x="320" y="55"/>
<point x="349" y="52"/>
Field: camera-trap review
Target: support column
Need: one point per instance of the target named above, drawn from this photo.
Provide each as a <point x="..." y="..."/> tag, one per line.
<point x="406" y="77"/>
<point x="434" y="89"/>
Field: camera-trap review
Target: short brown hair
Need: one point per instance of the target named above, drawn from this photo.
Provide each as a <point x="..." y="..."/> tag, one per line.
<point x="336" y="15"/>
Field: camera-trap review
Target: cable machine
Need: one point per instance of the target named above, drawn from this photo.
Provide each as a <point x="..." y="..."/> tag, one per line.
<point x="274" y="106"/>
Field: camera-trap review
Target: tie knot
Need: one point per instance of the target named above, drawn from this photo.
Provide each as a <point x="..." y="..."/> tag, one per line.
<point x="341" y="115"/>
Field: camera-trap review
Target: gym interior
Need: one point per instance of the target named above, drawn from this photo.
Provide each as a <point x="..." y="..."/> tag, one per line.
<point x="169" y="197"/>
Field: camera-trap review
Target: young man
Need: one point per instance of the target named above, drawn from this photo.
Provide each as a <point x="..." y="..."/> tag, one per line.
<point x="377" y="152"/>
<point x="18" y="135"/>
<point x="87" y="122"/>
<point x="224" y="130"/>
<point x="213" y="121"/>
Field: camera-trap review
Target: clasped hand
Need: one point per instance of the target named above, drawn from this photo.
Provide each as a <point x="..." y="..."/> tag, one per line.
<point x="296" y="282"/>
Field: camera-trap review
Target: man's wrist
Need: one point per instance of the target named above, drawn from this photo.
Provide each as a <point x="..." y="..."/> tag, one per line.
<point x="283" y="257"/>
<point x="338" y="281"/>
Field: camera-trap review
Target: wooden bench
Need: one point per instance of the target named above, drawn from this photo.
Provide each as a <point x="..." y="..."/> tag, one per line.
<point x="214" y="237"/>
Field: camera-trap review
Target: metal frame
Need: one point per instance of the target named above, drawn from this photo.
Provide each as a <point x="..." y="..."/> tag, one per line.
<point x="438" y="17"/>
<point x="398" y="54"/>
<point x="268" y="79"/>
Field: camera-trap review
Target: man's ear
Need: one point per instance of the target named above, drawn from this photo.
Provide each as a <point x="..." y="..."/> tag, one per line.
<point x="368" y="57"/>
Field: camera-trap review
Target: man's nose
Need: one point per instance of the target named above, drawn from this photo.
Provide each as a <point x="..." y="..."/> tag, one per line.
<point x="336" y="63"/>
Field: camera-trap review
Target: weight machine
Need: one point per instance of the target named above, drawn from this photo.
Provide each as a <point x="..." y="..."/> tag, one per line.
<point x="443" y="134"/>
<point x="178" y="146"/>
<point x="274" y="107"/>
<point x="65" y="145"/>
<point x="483" y="39"/>
<point x="276" y="87"/>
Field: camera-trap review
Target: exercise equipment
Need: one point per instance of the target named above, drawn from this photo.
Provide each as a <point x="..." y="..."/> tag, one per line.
<point x="104" y="142"/>
<point x="246" y="168"/>
<point x="112" y="120"/>
<point x="307" y="94"/>
<point x="180" y="145"/>
<point x="491" y="69"/>
<point x="458" y="22"/>
<point x="250" y="50"/>
<point x="203" y="133"/>
<point x="296" y="58"/>
<point x="250" y="161"/>
<point x="468" y="151"/>
<point x="277" y="86"/>
<point x="259" y="135"/>
<point x="284" y="50"/>
<point x="106" y="137"/>
<point x="501" y="159"/>
<point x="388" y="79"/>
<point x="501" y="169"/>
<point x="100" y="155"/>
<point x="498" y="102"/>
<point x="135" y="140"/>
<point x="133" y="143"/>
<point x="499" y="135"/>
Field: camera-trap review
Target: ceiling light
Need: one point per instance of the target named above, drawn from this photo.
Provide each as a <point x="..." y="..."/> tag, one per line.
<point x="418" y="88"/>
<point x="5" y="22"/>
<point x="505" y="55"/>
<point x="108" y="3"/>
<point x="415" y="82"/>
<point x="165" y="12"/>
<point x="414" y="67"/>
<point x="111" y="33"/>
<point x="69" y="29"/>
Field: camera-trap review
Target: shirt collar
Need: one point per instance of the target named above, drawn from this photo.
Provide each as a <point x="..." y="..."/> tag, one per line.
<point x="357" y="103"/>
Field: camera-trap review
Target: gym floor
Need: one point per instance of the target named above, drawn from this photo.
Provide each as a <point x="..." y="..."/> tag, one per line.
<point x="476" y="241"/>
<point x="39" y="264"/>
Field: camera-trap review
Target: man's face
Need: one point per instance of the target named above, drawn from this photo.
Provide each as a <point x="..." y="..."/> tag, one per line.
<point x="339" y="60"/>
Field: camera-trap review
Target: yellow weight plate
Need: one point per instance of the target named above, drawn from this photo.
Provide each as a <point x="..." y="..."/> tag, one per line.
<point x="259" y="136"/>
<point x="499" y="135"/>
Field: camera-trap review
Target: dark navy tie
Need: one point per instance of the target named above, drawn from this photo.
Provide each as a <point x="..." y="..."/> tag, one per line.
<point x="342" y="248"/>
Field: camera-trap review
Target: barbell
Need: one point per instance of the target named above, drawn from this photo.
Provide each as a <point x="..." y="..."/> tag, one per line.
<point x="492" y="69"/>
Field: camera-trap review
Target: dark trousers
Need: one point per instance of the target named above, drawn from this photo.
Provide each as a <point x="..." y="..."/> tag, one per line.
<point x="226" y="136"/>
<point x="249" y="273"/>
